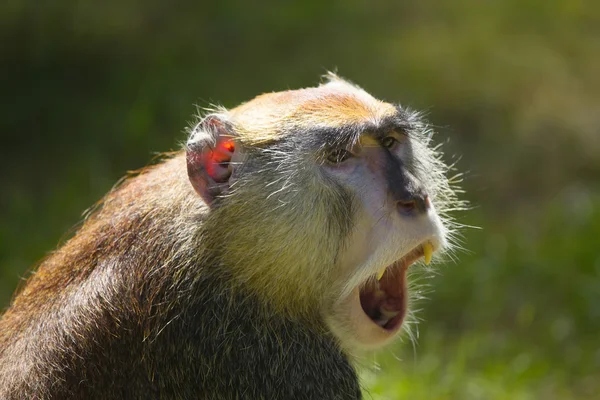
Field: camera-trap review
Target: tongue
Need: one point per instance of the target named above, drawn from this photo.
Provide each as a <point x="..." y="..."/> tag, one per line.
<point x="371" y="299"/>
<point x="383" y="299"/>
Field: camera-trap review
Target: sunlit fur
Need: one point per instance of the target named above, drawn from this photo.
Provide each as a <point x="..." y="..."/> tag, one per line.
<point x="300" y="220"/>
<point x="159" y="293"/>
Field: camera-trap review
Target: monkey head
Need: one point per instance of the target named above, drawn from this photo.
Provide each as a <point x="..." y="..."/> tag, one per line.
<point x="319" y="200"/>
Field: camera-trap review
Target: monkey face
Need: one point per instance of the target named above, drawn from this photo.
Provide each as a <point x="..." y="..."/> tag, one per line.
<point x="329" y="196"/>
<point x="395" y="225"/>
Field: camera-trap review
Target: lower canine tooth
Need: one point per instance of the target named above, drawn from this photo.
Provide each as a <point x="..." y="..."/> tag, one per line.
<point x="380" y="273"/>
<point x="427" y="252"/>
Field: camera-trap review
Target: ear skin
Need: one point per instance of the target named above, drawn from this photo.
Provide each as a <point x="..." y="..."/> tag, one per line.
<point x="208" y="155"/>
<point x="218" y="161"/>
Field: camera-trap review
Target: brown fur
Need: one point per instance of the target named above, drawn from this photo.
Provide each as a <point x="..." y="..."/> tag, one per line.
<point x="113" y="313"/>
<point x="269" y="116"/>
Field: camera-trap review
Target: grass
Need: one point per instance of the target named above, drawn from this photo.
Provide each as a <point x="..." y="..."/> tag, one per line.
<point x="480" y="365"/>
<point x="516" y="318"/>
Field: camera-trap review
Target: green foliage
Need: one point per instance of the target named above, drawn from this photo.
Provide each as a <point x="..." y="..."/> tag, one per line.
<point x="92" y="89"/>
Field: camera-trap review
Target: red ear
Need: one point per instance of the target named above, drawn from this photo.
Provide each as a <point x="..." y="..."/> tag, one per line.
<point x="209" y="152"/>
<point x="217" y="161"/>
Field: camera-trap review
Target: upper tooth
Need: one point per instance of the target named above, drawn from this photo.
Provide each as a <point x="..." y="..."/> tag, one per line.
<point x="380" y="273"/>
<point x="427" y="252"/>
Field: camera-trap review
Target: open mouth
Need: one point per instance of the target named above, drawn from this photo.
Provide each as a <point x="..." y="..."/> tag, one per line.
<point x="384" y="298"/>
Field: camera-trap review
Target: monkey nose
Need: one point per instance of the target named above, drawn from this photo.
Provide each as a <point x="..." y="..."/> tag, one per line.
<point x="414" y="206"/>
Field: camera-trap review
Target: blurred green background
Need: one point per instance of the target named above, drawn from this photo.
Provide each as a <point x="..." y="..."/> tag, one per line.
<point x="91" y="89"/>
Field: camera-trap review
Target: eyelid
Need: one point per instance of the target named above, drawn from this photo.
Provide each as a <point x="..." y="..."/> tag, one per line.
<point x="346" y="154"/>
<point x="397" y="134"/>
<point x="349" y="149"/>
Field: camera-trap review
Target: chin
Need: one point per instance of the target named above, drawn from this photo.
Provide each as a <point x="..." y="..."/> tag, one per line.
<point x="371" y="316"/>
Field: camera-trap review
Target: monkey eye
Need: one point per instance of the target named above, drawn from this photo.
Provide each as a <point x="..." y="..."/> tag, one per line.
<point x="389" y="141"/>
<point x="338" y="156"/>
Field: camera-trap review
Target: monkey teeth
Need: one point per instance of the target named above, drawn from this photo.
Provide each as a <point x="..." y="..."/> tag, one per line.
<point x="427" y="255"/>
<point x="427" y="252"/>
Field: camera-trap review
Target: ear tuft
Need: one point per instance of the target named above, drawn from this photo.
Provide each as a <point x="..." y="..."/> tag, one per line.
<point x="208" y="154"/>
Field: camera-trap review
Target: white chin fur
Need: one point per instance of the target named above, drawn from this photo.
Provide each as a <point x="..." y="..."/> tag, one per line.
<point x="355" y="329"/>
<point x="349" y="323"/>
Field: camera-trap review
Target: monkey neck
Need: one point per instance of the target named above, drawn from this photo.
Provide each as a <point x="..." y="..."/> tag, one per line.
<point x="271" y="282"/>
<point x="255" y="253"/>
<point x="274" y="258"/>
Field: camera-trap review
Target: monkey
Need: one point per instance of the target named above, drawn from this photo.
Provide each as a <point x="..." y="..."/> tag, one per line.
<point x="258" y="262"/>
